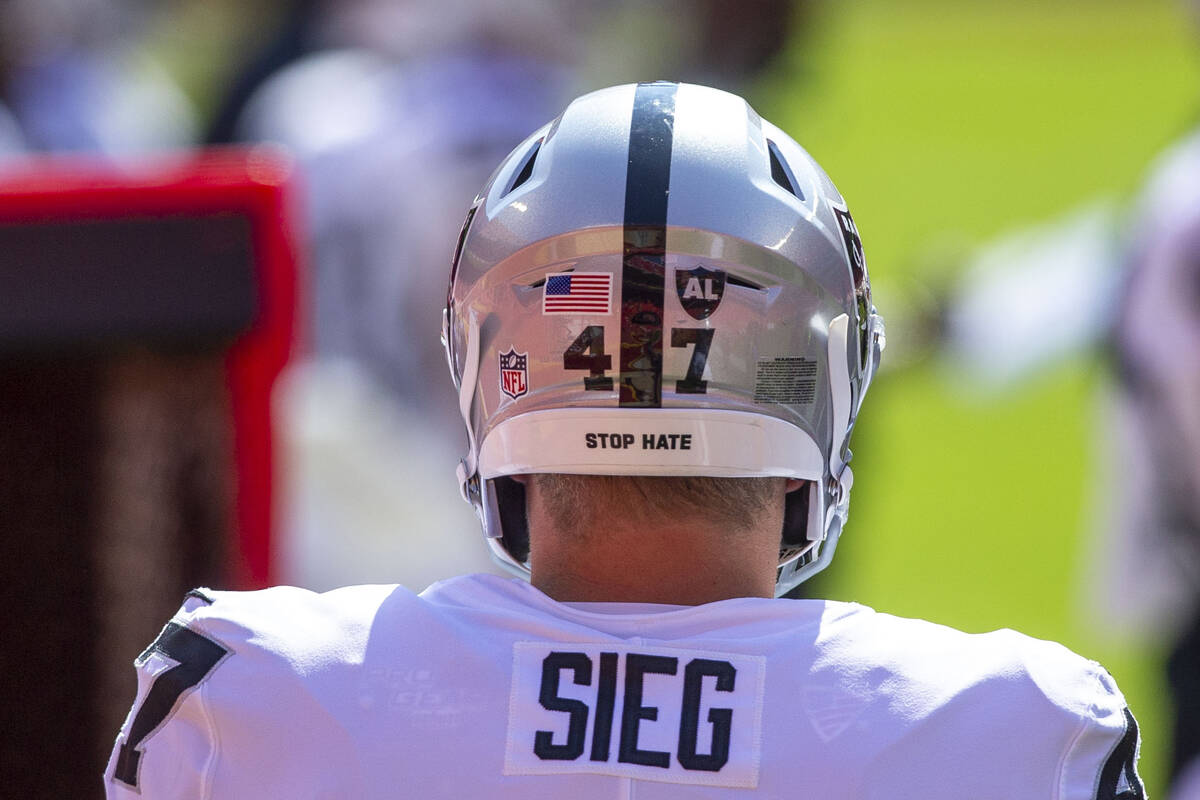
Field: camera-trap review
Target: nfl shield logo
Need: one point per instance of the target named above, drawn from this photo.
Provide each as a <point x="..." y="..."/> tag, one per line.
<point x="700" y="290"/>
<point x="514" y="373"/>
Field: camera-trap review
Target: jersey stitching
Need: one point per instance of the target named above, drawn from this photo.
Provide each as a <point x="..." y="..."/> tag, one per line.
<point x="208" y="772"/>
<point x="759" y="705"/>
<point x="1060" y="789"/>
<point x="642" y="619"/>
<point x="512" y="709"/>
<point x="1084" y="724"/>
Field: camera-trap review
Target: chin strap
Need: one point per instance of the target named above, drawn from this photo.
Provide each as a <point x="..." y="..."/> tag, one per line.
<point x="839" y="508"/>
<point x="466" y="398"/>
<point x="877" y="339"/>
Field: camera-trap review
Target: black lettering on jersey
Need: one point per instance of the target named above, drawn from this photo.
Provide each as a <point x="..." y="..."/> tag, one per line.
<point x="196" y="657"/>
<point x="636" y="667"/>
<point x="606" y="700"/>
<point x="552" y="665"/>
<point x="1119" y="778"/>
<point x="721" y="718"/>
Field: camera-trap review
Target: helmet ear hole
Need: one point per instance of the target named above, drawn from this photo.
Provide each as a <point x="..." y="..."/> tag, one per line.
<point x="795" y="517"/>
<point x="514" y="522"/>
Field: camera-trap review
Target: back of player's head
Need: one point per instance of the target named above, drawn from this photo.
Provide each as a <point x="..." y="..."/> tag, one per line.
<point x="660" y="282"/>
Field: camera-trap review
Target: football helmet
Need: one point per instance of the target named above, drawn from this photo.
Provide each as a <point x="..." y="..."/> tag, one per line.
<point x="661" y="282"/>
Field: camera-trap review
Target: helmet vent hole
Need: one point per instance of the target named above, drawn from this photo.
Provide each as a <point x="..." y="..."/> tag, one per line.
<point x="780" y="172"/>
<point x="527" y="168"/>
<point x="734" y="280"/>
<point x="540" y="282"/>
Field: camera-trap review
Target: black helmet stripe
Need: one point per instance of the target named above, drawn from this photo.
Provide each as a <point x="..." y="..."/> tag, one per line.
<point x="643" y="274"/>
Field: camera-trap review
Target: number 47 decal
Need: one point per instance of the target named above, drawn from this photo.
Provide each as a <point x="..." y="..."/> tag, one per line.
<point x="587" y="352"/>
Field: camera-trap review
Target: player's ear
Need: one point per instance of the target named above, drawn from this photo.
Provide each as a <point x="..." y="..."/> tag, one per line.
<point x="795" y="483"/>
<point x="521" y="479"/>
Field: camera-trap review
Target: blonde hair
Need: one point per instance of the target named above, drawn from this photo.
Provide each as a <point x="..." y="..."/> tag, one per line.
<point x="736" y="504"/>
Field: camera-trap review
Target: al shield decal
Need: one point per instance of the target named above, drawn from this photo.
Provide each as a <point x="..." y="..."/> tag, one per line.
<point x="514" y="373"/>
<point x="700" y="290"/>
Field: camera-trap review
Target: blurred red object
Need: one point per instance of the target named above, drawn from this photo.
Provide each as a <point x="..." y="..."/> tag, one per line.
<point x="185" y="250"/>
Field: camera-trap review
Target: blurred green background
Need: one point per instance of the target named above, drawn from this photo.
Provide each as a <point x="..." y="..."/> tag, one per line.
<point x="964" y="119"/>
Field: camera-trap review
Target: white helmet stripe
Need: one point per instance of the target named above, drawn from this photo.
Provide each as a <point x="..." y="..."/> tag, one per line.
<point x="466" y="398"/>
<point x="839" y="388"/>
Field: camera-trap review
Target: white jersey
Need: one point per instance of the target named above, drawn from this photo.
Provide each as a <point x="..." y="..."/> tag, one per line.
<point x="483" y="687"/>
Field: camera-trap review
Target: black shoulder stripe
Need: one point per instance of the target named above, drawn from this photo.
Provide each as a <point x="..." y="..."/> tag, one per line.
<point x="1119" y="778"/>
<point x="643" y="274"/>
<point x="195" y="656"/>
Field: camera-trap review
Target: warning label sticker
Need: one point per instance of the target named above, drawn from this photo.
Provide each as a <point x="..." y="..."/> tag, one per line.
<point x="789" y="380"/>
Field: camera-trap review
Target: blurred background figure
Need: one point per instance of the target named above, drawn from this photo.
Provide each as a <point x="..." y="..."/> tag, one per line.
<point x="396" y="112"/>
<point x="1148" y="565"/>
<point x="1123" y="279"/>
<point x="74" y="78"/>
<point x="11" y="141"/>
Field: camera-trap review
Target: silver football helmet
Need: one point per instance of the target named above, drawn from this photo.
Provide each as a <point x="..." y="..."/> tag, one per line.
<point x="661" y="282"/>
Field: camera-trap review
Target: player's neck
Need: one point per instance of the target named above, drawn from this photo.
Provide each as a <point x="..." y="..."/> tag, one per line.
<point x="677" y="567"/>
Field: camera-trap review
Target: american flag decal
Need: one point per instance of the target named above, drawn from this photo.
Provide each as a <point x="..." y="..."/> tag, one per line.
<point x="578" y="293"/>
